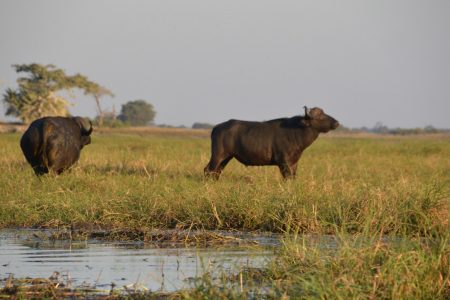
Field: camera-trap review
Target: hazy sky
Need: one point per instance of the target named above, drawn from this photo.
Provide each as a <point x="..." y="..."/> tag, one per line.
<point x="209" y="61"/>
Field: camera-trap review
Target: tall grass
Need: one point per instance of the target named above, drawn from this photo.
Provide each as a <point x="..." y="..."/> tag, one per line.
<point x="141" y="181"/>
<point x="353" y="267"/>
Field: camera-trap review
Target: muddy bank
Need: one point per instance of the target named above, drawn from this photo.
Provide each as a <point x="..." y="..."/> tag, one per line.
<point x="158" y="238"/>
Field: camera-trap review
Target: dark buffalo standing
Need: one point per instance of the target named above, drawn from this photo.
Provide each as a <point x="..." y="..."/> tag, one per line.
<point x="278" y="142"/>
<point x="55" y="143"/>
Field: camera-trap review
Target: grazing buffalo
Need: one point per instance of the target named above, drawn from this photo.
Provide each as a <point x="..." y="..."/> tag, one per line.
<point x="55" y="143"/>
<point x="278" y="142"/>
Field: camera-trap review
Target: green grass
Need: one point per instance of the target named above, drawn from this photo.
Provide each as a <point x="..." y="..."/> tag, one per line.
<point x="355" y="267"/>
<point x="346" y="186"/>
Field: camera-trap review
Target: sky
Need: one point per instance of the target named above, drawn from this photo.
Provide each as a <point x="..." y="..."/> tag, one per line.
<point x="362" y="61"/>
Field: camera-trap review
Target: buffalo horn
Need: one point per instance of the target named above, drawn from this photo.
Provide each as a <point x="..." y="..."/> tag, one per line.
<point x="85" y="130"/>
<point x="89" y="131"/>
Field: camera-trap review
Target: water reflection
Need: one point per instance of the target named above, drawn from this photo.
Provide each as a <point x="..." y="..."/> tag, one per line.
<point x="99" y="264"/>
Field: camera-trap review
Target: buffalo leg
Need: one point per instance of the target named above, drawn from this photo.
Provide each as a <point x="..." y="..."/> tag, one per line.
<point x="215" y="166"/>
<point x="286" y="171"/>
<point x="38" y="166"/>
<point x="294" y="169"/>
<point x="224" y="163"/>
<point x="40" y="170"/>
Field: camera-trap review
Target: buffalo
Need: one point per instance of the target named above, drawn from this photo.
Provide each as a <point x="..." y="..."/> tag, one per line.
<point x="55" y="143"/>
<point x="278" y="142"/>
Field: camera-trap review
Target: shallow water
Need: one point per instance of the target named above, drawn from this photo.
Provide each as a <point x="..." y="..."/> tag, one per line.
<point x="98" y="264"/>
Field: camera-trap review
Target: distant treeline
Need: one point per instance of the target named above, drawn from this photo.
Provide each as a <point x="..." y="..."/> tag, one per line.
<point x="196" y="125"/>
<point x="111" y="120"/>
<point x="379" y="128"/>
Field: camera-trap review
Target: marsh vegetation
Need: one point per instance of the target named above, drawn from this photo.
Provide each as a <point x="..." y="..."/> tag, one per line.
<point x="384" y="199"/>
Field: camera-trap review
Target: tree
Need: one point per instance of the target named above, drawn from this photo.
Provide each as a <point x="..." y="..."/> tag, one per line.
<point x="137" y="113"/>
<point x="37" y="96"/>
<point x="110" y="119"/>
<point x="97" y="91"/>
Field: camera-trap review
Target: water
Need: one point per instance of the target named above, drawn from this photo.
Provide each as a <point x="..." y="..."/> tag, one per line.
<point x="93" y="263"/>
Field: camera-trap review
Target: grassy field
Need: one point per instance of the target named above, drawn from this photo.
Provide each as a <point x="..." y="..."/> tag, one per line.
<point x="350" y="187"/>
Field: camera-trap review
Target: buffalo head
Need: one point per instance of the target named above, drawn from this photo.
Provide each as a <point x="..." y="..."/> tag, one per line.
<point x="317" y="119"/>
<point x="85" y="130"/>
